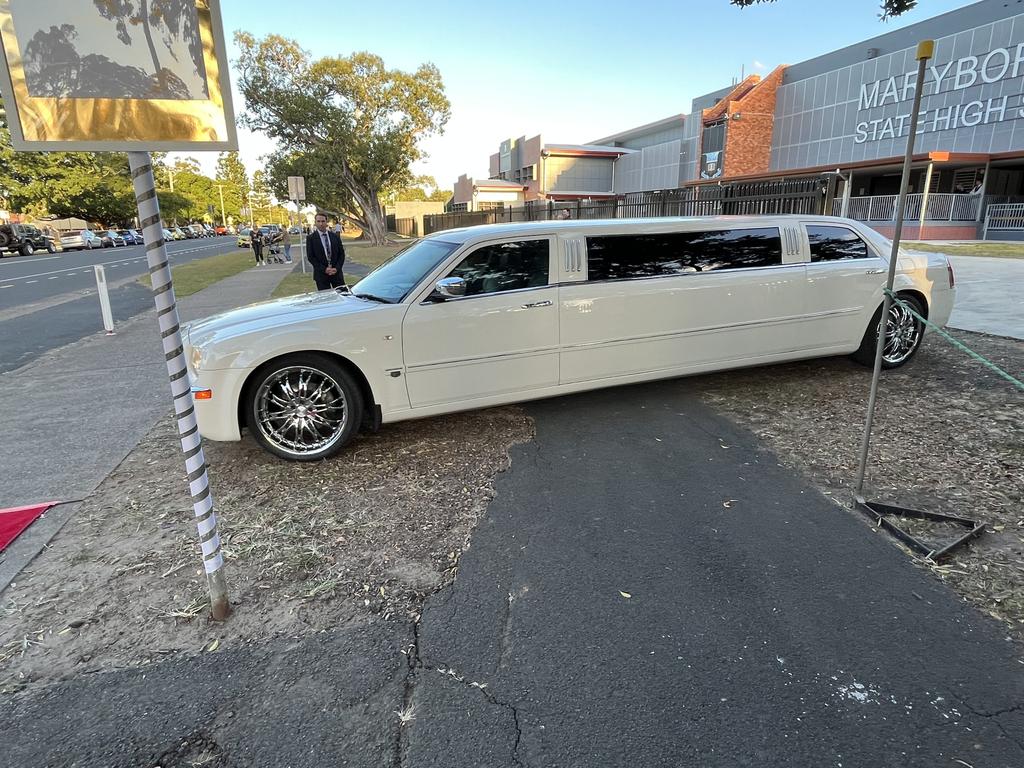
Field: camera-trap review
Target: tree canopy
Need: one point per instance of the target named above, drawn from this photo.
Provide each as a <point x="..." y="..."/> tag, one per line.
<point x="351" y="126"/>
<point x="94" y="186"/>
<point x="889" y="8"/>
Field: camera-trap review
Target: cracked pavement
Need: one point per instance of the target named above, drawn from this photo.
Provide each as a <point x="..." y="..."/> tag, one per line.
<point x="648" y="588"/>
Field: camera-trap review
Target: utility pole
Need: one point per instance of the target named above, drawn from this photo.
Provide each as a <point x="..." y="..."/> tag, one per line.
<point x="223" y="216"/>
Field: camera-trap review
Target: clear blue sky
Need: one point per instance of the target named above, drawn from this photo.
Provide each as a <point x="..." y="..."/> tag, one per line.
<point x="572" y="71"/>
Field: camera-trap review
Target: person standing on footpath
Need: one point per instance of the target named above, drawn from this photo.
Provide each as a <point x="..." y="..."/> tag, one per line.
<point x="286" y="242"/>
<point x="256" y="241"/>
<point x="327" y="255"/>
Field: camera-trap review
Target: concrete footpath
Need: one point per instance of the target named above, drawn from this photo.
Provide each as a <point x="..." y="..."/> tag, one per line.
<point x="73" y="414"/>
<point x="649" y="589"/>
<point x="988" y="296"/>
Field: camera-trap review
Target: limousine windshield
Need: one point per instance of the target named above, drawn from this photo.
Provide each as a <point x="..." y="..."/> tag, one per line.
<point x="394" y="279"/>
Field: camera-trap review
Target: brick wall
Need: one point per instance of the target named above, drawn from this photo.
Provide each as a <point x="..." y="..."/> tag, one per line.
<point x="748" y="141"/>
<point x="930" y="232"/>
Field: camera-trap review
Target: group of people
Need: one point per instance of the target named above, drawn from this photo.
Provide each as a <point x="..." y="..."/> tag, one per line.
<point x="324" y="251"/>
<point x="264" y="243"/>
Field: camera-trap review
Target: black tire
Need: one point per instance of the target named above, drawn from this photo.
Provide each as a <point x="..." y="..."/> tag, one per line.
<point x="910" y="335"/>
<point x="26" y="249"/>
<point x="51" y="248"/>
<point x="280" y="435"/>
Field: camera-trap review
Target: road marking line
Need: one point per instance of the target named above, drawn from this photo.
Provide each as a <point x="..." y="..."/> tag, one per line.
<point x="53" y="278"/>
<point x="31" y="281"/>
<point x="9" y="285"/>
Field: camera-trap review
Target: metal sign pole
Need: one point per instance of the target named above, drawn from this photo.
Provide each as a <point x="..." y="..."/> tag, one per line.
<point x="174" y="354"/>
<point x="925" y="50"/>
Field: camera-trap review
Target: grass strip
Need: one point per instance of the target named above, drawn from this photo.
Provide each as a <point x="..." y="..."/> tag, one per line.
<point x="295" y="283"/>
<point x="195" y="275"/>
<point x="982" y="248"/>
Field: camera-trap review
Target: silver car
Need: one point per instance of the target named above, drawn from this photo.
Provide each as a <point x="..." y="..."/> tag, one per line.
<point x="80" y="240"/>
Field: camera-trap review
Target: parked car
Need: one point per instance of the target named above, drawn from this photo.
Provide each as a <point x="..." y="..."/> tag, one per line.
<point x="131" y="236"/>
<point x="220" y="229"/>
<point x="80" y="239"/>
<point x="115" y="238"/>
<point x="24" y="239"/>
<point x="245" y="238"/>
<point x="168" y="236"/>
<point x="195" y="230"/>
<point x="179" y="233"/>
<point x="487" y="315"/>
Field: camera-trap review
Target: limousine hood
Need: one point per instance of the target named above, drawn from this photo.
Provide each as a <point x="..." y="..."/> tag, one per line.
<point x="277" y="313"/>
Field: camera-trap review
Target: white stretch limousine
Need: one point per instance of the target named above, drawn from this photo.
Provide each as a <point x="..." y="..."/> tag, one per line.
<point x="476" y="317"/>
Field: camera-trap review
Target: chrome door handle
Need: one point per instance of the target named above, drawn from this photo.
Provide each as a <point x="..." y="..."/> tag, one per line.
<point x="537" y="304"/>
<point x="875" y="272"/>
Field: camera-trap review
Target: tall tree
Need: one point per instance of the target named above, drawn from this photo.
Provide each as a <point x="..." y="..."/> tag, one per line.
<point x="231" y="174"/>
<point x="351" y="126"/>
<point x="890" y="8"/>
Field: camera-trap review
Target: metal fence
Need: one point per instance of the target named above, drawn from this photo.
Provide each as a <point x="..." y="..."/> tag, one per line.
<point x="800" y="196"/>
<point x="941" y="207"/>
<point x="1006" y="217"/>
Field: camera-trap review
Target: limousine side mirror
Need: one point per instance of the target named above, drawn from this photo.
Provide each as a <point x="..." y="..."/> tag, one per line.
<point x="450" y="288"/>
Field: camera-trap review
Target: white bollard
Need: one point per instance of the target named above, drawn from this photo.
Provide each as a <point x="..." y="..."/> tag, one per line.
<point x="101" y="289"/>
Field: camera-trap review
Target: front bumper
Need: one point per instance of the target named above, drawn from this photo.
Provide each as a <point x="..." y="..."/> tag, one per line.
<point x="218" y="416"/>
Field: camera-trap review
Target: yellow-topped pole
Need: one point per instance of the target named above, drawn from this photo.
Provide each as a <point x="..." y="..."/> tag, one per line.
<point x="925" y="49"/>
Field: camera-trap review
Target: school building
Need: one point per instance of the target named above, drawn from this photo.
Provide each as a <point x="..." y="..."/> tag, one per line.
<point x="846" y="113"/>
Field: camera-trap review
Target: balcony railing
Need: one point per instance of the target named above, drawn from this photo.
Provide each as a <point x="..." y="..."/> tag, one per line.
<point x="941" y="207"/>
<point x="1005" y="217"/>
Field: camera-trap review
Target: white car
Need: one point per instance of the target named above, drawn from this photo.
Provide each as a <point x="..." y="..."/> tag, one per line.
<point x="477" y="317"/>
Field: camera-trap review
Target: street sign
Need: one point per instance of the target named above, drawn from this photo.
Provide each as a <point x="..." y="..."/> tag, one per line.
<point x="297" y="188"/>
<point x="161" y="82"/>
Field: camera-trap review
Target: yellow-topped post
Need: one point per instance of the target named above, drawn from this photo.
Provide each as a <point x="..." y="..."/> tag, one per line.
<point x="925" y="50"/>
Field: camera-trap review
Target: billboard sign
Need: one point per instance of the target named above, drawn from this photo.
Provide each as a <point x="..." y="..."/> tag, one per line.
<point x="116" y="75"/>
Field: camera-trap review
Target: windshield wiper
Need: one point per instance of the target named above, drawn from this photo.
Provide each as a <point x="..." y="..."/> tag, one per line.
<point x="371" y="297"/>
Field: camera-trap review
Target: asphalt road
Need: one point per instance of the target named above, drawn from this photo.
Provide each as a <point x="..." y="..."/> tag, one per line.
<point x="649" y="588"/>
<point x="49" y="300"/>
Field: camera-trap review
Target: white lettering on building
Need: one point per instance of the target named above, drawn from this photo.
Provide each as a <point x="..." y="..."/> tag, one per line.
<point x="991" y="67"/>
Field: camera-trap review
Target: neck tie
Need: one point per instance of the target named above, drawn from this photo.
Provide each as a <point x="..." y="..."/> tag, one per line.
<point x="327" y="244"/>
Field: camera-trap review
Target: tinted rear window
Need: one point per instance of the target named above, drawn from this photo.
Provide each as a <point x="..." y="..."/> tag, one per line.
<point x="836" y="244"/>
<point x="620" y="257"/>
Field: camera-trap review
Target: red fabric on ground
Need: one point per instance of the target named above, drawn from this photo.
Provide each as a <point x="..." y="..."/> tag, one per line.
<point x="16" y="519"/>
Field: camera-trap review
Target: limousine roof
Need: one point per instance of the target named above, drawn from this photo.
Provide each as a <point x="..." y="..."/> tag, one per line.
<point x="491" y="231"/>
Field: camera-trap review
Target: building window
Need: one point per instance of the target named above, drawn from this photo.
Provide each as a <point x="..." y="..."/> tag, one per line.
<point x="623" y="257"/>
<point x="489" y="206"/>
<point x="712" y="147"/>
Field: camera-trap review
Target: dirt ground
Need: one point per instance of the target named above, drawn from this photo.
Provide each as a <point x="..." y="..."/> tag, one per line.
<point x="948" y="438"/>
<point x="307" y="546"/>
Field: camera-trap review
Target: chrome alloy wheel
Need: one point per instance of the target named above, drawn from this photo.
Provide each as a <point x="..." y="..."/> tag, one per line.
<point x="902" y="334"/>
<point x="301" y="410"/>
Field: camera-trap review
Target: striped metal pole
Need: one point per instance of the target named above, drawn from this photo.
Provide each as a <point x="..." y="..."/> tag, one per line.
<point x="174" y="353"/>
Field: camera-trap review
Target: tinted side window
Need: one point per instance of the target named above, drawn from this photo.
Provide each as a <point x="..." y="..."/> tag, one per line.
<point x="505" y="267"/>
<point x="619" y="257"/>
<point x="836" y="243"/>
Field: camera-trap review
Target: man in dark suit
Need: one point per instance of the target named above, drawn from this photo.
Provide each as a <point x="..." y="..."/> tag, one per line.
<point x="327" y="255"/>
